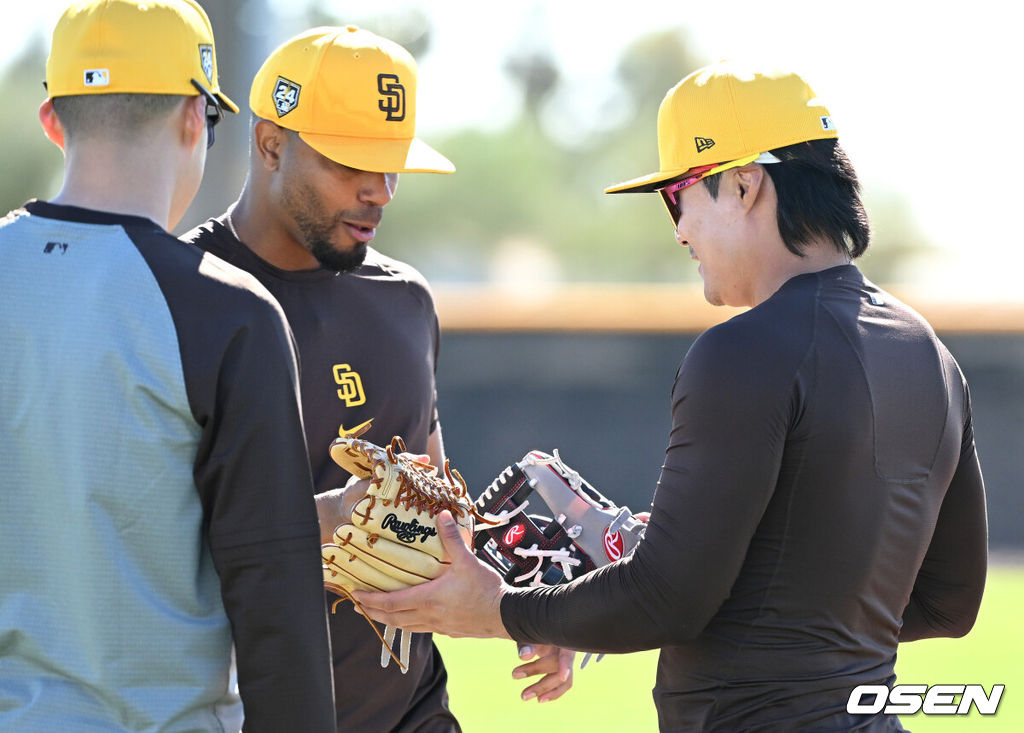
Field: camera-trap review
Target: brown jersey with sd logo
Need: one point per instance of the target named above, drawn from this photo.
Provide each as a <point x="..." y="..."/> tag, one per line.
<point x="368" y="344"/>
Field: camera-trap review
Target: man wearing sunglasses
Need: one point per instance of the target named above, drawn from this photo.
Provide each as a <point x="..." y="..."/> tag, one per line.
<point x="161" y="543"/>
<point x="821" y="500"/>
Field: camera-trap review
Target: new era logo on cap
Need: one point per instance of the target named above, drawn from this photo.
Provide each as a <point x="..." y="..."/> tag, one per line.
<point x="826" y="123"/>
<point x="703" y="143"/>
<point x="286" y="96"/>
<point x="96" y="77"/>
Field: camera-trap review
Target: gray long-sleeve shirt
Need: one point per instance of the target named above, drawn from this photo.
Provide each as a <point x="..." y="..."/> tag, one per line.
<point x="157" y="502"/>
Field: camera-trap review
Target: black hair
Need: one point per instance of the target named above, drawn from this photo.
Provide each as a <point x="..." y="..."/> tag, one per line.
<point x="818" y="197"/>
<point x="121" y="113"/>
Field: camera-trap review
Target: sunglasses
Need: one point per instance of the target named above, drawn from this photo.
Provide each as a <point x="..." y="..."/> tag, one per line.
<point x="214" y="113"/>
<point x="670" y="193"/>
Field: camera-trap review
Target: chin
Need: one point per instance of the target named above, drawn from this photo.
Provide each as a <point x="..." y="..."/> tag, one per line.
<point x="337" y="259"/>
<point x="711" y="295"/>
<point x="713" y="299"/>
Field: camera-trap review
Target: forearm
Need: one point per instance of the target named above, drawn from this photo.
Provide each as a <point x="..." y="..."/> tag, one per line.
<point x="594" y="615"/>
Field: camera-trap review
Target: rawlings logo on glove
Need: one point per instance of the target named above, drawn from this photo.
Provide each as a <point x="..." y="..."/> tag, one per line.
<point x="390" y="540"/>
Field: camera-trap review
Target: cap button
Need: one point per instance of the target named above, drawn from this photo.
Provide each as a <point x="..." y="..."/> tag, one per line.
<point x="351" y="28"/>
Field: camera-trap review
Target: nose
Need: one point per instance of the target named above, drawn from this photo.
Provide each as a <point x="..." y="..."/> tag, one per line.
<point x="679" y="238"/>
<point x="377" y="189"/>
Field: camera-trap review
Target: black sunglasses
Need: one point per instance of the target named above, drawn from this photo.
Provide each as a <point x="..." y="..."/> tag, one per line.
<point x="214" y="113"/>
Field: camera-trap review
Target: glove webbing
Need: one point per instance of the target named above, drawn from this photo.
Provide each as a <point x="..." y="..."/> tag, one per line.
<point x="543" y="554"/>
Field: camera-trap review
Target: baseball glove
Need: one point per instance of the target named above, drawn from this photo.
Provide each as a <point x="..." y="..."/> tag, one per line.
<point x="390" y="540"/>
<point x="584" y="532"/>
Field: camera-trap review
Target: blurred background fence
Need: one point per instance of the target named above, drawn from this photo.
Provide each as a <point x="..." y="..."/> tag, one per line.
<point x="588" y="370"/>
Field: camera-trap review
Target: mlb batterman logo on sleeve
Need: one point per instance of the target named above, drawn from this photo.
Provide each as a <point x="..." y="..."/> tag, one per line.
<point x="351" y="96"/>
<point x="728" y="112"/>
<point x="127" y="46"/>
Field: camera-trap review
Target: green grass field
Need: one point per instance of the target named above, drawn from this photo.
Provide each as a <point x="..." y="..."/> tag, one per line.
<point x="615" y="695"/>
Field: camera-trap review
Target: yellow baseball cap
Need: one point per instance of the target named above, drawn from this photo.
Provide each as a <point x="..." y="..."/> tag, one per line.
<point x="135" y="47"/>
<point x="351" y="95"/>
<point x="726" y="112"/>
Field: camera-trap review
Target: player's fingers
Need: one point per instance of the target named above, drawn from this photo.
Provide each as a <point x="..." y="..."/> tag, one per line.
<point x="412" y="621"/>
<point x="556" y="692"/>
<point x="418" y="457"/>
<point x="565" y="660"/>
<point x="544" y="665"/>
<point x="395" y="601"/>
<point x="549" y="687"/>
<point x="550" y="660"/>
<point x="451" y="539"/>
<point x="400" y="621"/>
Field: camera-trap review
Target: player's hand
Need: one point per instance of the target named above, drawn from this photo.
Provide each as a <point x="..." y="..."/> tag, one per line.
<point x="465" y="600"/>
<point x="554" y="663"/>
<point x="335" y="507"/>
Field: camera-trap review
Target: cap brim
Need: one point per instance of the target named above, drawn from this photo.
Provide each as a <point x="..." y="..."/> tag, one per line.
<point x="380" y="155"/>
<point x="225" y="102"/>
<point x="646" y="184"/>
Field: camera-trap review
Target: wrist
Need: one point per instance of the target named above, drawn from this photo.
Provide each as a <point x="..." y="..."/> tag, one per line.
<point x="499" y="631"/>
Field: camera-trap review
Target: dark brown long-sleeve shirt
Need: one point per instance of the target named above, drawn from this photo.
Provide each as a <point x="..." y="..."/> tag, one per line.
<point x="821" y="500"/>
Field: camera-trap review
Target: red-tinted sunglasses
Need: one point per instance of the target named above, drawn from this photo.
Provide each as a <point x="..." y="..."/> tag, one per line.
<point x="670" y="193"/>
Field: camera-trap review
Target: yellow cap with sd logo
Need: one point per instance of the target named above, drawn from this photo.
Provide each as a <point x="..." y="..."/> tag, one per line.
<point x="351" y="96"/>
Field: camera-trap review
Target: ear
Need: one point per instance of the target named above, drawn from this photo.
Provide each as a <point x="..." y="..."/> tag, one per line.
<point x="268" y="143"/>
<point x="749" y="185"/>
<point x="51" y="123"/>
<point x="193" y="122"/>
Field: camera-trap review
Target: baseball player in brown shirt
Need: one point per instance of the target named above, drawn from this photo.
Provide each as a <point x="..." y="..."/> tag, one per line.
<point x="821" y="499"/>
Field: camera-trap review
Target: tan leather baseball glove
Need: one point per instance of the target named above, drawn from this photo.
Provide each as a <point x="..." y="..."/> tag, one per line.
<point x="390" y="541"/>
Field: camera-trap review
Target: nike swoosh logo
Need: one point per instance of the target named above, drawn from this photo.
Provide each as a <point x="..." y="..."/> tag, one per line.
<point x="356" y="431"/>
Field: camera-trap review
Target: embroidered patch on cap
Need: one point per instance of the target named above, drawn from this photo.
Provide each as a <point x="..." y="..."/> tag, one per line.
<point x="96" y="77"/>
<point x="286" y="96"/>
<point x="206" y="60"/>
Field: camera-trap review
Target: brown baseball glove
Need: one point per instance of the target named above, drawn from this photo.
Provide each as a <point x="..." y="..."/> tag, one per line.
<point x="390" y="541"/>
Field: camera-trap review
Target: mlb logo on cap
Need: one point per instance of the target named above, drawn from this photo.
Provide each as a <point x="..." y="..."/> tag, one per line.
<point x="96" y="77"/>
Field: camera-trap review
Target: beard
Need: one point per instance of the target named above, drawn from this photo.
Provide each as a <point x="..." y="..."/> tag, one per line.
<point x="316" y="226"/>
<point x="334" y="259"/>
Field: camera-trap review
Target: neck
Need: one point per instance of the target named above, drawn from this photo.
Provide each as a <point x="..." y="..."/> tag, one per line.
<point x="119" y="178"/>
<point x="818" y="256"/>
<point x="254" y="221"/>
